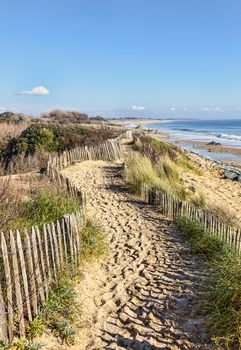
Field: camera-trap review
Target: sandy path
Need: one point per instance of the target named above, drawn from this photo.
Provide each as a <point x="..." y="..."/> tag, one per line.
<point x="144" y="295"/>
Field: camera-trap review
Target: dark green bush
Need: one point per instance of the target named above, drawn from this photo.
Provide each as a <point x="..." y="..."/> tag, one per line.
<point x="51" y="137"/>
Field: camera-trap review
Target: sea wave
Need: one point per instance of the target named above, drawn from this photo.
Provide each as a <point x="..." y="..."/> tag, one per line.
<point x="228" y="137"/>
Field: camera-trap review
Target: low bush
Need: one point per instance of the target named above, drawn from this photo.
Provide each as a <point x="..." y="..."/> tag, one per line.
<point x="39" y="138"/>
<point x="140" y="171"/>
<point x="222" y="293"/>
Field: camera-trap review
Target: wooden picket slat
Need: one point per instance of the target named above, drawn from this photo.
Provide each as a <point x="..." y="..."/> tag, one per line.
<point x="24" y="275"/>
<point x="55" y="245"/>
<point x="9" y="289"/>
<point x="59" y="239"/>
<point x="42" y="261"/>
<point x="18" y="292"/>
<point x="3" y="319"/>
<point x="46" y="249"/>
<point x="29" y="260"/>
<point x="52" y="251"/>
<point x="38" y="276"/>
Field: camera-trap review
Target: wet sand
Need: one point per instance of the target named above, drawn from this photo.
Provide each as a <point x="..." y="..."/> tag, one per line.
<point x="212" y="148"/>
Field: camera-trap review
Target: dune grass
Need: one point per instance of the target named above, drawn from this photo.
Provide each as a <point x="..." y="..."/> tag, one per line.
<point x="163" y="175"/>
<point x="93" y="241"/>
<point x="45" y="207"/>
<point x="199" y="200"/>
<point x="159" y="165"/>
<point x="185" y="162"/>
<point x="222" y="293"/>
<point x="35" y="202"/>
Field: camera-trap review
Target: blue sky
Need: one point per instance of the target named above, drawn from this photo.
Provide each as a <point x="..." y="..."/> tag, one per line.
<point x="122" y="57"/>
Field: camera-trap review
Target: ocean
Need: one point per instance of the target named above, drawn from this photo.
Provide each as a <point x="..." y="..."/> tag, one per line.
<point x="225" y="131"/>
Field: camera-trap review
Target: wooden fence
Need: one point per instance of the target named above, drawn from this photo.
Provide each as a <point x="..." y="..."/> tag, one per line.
<point x="174" y="208"/>
<point x="109" y="150"/>
<point x="30" y="263"/>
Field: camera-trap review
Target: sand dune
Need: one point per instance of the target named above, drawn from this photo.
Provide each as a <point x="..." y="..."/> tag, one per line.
<point x="217" y="190"/>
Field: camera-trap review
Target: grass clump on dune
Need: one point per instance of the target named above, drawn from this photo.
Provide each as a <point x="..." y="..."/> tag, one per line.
<point x="140" y="171"/>
<point x="222" y="294"/>
<point x="39" y="201"/>
<point x="154" y="148"/>
<point x="163" y="175"/>
<point x="184" y="162"/>
<point x="93" y="239"/>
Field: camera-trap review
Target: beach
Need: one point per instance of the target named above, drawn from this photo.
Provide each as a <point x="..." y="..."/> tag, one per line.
<point x="214" y="139"/>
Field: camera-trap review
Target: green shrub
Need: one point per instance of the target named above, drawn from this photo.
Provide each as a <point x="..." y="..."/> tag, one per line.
<point x="51" y="137"/>
<point x="141" y="171"/>
<point x="39" y="201"/>
<point x="35" y="328"/>
<point x="166" y="168"/>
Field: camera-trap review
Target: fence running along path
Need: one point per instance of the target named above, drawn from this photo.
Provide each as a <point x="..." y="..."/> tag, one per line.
<point x="31" y="261"/>
<point x="174" y="209"/>
<point x="109" y="150"/>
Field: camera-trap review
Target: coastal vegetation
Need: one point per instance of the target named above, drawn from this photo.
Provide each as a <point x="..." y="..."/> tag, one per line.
<point x="154" y="163"/>
<point x="157" y="164"/>
<point x="38" y="140"/>
<point x="222" y="292"/>
<point x="33" y="202"/>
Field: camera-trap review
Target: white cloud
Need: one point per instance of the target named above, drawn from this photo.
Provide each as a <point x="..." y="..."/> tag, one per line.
<point x="2" y="109"/>
<point x="215" y="109"/>
<point x="37" y="90"/>
<point x="137" y="108"/>
<point x="173" y="109"/>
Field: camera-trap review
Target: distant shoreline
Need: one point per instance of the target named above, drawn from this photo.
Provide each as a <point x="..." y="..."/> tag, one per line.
<point x="138" y="120"/>
<point x="231" y="154"/>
